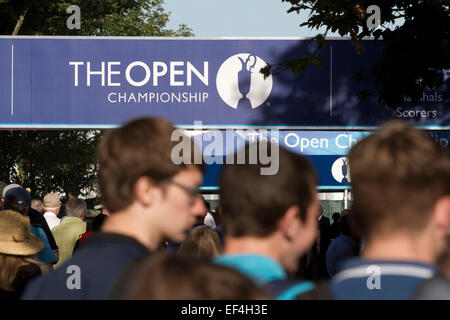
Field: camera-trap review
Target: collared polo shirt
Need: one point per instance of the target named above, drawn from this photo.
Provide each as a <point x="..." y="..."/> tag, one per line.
<point x="362" y="279"/>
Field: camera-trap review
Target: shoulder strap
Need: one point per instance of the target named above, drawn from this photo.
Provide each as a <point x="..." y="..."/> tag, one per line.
<point x="435" y="288"/>
<point x="321" y="291"/>
<point x="287" y="289"/>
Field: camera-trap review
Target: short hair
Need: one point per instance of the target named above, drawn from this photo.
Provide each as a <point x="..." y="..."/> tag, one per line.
<point x="201" y="243"/>
<point x="336" y="216"/>
<point x="36" y="204"/>
<point x="172" y="277"/>
<point x="397" y="176"/>
<point x="75" y="207"/>
<point x="252" y="203"/>
<point x="139" y="148"/>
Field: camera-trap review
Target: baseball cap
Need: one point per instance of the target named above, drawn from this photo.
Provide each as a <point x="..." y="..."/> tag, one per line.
<point x="22" y="197"/>
<point x="51" y="200"/>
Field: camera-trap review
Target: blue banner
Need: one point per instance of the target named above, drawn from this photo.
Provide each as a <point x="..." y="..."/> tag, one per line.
<point x="53" y="82"/>
<point x="326" y="150"/>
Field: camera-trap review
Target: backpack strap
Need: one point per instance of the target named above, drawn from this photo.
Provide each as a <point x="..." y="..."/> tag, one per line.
<point x="321" y="291"/>
<point x="434" y="288"/>
<point x="287" y="289"/>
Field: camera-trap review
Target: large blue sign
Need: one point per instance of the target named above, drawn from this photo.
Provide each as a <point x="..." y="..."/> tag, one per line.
<point x="326" y="150"/>
<point x="52" y="82"/>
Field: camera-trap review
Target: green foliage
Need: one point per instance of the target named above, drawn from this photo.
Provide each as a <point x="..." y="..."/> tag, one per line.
<point x="98" y="18"/>
<point x="61" y="161"/>
<point x="415" y="54"/>
<point x="65" y="161"/>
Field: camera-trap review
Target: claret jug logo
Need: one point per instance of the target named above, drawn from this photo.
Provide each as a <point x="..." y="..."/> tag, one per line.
<point x="340" y="171"/>
<point x="240" y="84"/>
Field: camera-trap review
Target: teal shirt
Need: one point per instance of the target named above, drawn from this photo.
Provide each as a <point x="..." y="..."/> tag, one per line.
<point x="260" y="268"/>
<point x="263" y="269"/>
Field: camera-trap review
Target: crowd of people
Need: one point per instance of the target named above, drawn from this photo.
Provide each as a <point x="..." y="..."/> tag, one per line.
<point x="268" y="239"/>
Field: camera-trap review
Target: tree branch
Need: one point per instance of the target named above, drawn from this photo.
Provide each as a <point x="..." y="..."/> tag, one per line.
<point x="19" y="23"/>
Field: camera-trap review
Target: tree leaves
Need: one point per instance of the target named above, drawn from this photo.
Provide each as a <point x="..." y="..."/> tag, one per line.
<point x="417" y="49"/>
<point x="65" y="161"/>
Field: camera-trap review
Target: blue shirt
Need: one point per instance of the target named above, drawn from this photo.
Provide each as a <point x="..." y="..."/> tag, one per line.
<point x="341" y="249"/>
<point x="379" y="280"/>
<point x="46" y="255"/>
<point x="263" y="270"/>
<point x="100" y="262"/>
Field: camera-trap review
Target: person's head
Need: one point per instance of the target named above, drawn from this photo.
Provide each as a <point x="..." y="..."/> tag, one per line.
<point x="201" y="243"/>
<point x="52" y="203"/>
<point x="37" y="205"/>
<point x="137" y="173"/>
<point x="336" y="216"/>
<point x="76" y="207"/>
<point x="17" y="246"/>
<point x="207" y="205"/>
<point x="9" y="186"/>
<point x="17" y="199"/>
<point x="261" y="206"/>
<point x="173" y="277"/>
<point x="401" y="184"/>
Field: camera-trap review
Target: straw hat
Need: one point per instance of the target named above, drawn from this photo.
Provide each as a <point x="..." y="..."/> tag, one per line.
<point x="15" y="235"/>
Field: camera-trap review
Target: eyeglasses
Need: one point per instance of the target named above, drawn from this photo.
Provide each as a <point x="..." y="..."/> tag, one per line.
<point x="193" y="192"/>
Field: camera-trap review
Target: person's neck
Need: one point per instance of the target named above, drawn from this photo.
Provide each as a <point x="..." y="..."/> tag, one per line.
<point x="129" y="222"/>
<point x="52" y="211"/>
<point x="404" y="247"/>
<point x="252" y="245"/>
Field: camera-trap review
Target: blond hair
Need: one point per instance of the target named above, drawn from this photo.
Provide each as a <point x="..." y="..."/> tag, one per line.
<point x="9" y="265"/>
<point x="202" y="242"/>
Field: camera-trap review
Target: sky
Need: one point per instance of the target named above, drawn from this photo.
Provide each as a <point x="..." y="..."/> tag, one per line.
<point x="237" y="18"/>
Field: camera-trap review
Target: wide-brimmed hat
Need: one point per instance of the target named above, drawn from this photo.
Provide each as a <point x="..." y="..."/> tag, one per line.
<point x="15" y="235"/>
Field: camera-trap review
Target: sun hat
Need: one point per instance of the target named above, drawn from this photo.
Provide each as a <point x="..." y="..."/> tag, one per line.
<point x="15" y="235"/>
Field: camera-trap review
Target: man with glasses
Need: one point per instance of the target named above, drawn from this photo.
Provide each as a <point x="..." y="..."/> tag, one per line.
<point x="150" y="199"/>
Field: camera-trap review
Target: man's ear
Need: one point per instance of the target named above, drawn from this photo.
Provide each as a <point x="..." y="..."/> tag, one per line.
<point x="441" y="214"/>
<point x="144" y="191"/>
<point x="289" y="223"/>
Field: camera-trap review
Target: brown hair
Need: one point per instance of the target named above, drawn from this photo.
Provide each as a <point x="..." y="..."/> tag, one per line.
<point x="252" y="203"/>
<point x="173" y="277"/>
<point x="201" y="243"/>
<point x="397" y="176"/>
<point x="139" y="148"/>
